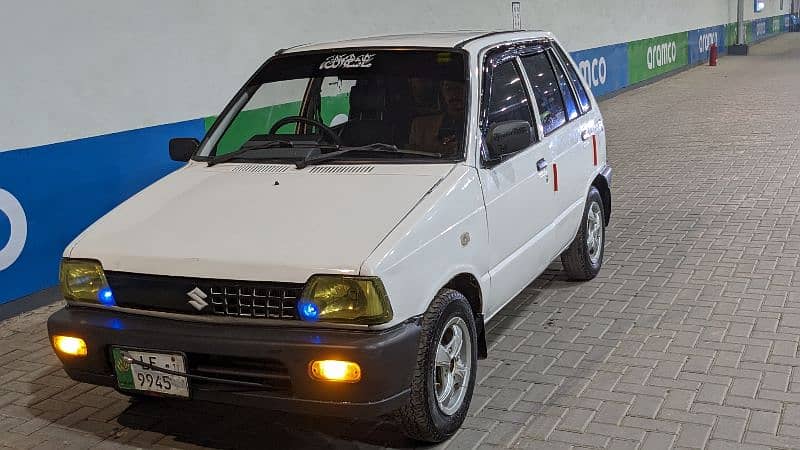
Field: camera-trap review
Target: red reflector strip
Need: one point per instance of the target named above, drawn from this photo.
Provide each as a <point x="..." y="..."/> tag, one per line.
<point x="594" y="148"/>
<point x="555" y="177"/>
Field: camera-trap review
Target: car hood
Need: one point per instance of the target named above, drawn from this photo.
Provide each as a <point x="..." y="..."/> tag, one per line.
<point x="257" y="222"/>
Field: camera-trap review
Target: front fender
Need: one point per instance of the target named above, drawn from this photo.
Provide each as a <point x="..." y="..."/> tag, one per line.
<point x="444" y="236"/>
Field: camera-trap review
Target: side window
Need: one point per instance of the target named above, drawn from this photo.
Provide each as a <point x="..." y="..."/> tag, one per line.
<point x="566" y="92"/>
<point x="507" y="97"/>
<point x="545" y="89"/>
<point x="583" y="99"/>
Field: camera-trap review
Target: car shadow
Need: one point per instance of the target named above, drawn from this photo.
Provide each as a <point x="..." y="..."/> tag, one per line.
<point x="553" y="278"/>
<point x="222" y="426"/>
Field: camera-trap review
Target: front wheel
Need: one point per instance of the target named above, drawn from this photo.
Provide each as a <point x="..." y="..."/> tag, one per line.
<point x="444" y="377"/>
<point x="584" y="257"/>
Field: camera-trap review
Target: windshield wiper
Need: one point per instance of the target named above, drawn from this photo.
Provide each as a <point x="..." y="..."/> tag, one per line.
<point x="246" y="148"/>
<point x="377" y="147"/>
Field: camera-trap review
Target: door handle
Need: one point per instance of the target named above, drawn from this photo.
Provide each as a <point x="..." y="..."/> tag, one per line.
<point x="541" y="165"/>
<point x="586" y="135"/>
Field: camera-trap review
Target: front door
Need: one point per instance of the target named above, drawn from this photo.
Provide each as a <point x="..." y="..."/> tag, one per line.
<point x="517" y="190"/>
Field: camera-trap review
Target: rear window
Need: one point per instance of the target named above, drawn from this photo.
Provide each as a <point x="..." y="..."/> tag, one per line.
<point x="583" y="98"/>
<point x="545" y="89"/>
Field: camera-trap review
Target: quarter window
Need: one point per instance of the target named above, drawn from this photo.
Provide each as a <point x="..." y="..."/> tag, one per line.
<point x="507" y="97"/>
<point x="545" y="89"/>
<point x="583" y="98"/>
<point x="566" y="93"/>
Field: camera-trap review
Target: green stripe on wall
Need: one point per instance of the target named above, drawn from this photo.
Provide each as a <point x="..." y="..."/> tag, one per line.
<point x="259" y="121"/>
<point x="651" y="57"/>
<point x="730" y="34"/>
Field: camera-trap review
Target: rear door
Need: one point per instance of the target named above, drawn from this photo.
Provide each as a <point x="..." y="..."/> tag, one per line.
<point x="591" y="151"/>
<point x="564" y="134"/>
<point x="589" y="122"/>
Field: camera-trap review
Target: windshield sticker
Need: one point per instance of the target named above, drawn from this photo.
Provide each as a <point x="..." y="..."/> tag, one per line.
<point x="351" y="61"/>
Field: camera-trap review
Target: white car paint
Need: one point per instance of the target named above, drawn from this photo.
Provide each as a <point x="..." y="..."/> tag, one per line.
<point x="221" y="223"/>
<point x="403" y="223"/>
<point x="443" y="40"/>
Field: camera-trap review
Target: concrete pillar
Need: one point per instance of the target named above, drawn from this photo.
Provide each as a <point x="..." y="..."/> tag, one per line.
<point x="741" y="47"/>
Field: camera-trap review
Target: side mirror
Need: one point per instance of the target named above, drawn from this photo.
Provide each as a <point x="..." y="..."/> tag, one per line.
<point x="506" y="138"/>
<point x="182" y="149"/>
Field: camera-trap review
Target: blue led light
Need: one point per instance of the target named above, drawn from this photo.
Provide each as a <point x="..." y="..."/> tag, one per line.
<point x="308" y="310"/>
<point x="106" y="297"/>
<point x="115" y="324"/>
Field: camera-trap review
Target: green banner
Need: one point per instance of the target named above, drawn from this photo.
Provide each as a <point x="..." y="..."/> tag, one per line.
<point x="731" y="31"/>
<point x="655" y="56"/>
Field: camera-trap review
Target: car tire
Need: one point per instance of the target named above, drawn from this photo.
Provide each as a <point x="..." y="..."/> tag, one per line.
<point x="584" y="257"/>
<point x="426" y="417"/>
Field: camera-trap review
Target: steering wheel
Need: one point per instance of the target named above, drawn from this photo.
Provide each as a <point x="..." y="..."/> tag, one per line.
<point x="326" y="130"/>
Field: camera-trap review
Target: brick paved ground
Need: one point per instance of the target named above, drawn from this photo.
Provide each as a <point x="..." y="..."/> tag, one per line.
<point x="689" y="338"/>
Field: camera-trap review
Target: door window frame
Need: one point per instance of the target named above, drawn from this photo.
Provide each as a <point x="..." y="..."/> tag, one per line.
<point x="554" y="62"/>
<point x="493" y="59"/>
<point x="560" y="55"/>
<point x="552" y="57"/>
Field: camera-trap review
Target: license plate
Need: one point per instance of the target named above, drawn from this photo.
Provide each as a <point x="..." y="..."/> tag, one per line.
<point x="134" y="377"/>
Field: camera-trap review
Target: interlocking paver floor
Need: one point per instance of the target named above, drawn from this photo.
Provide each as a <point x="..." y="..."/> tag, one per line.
<point x="689" y="337"/>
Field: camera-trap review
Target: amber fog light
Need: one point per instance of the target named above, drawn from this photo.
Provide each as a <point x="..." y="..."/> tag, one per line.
<point x="70" y="345"/>
<point x="332" y="370"/>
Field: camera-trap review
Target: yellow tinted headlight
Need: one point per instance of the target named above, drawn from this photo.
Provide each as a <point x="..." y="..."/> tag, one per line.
<point x="83" y="280"/>
<point x="333" y="298"/>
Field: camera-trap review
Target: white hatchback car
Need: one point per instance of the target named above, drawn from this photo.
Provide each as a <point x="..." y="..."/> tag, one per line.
<point x="350" y="221"/>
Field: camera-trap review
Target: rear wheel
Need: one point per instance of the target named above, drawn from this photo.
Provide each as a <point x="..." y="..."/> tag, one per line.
<point x="444" y="377"/>
<point x="584" y="257"/>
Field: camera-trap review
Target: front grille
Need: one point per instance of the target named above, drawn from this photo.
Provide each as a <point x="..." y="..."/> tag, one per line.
<point x="231" y="298"/>
<point x="271" y="374"/>
<point x="273" y="303"/>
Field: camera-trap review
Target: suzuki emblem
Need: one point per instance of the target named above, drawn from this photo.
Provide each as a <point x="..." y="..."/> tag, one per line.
<point x="197" y="298"/>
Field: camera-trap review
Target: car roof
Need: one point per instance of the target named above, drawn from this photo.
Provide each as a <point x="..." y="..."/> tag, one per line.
<point x="449" y="39"/>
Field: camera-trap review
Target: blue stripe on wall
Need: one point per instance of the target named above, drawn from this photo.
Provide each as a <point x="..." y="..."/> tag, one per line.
<point x="65" y="187"/>
<point x="700" y="41"/>
<point x="604" y="68"/>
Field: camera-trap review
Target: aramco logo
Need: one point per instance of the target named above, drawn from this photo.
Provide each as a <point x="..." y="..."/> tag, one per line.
<point x="661" y="55"/>
<point x="594" y="71"/>
<point x="705" y="40"/>
<point x="11" y="208"/>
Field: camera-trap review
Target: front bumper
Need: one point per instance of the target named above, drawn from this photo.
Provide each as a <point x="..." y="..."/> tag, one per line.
<point x="387" y="358"/>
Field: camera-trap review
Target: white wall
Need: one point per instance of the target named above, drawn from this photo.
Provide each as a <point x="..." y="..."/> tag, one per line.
<point x="80" y="68"/>
<point x="771" y="8"/>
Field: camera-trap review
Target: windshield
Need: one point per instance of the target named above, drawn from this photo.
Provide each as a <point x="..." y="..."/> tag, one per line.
<point x="306" y="105"/>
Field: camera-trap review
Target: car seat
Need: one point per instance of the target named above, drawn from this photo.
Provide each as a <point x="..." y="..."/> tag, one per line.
<point x="367" y="123"/>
